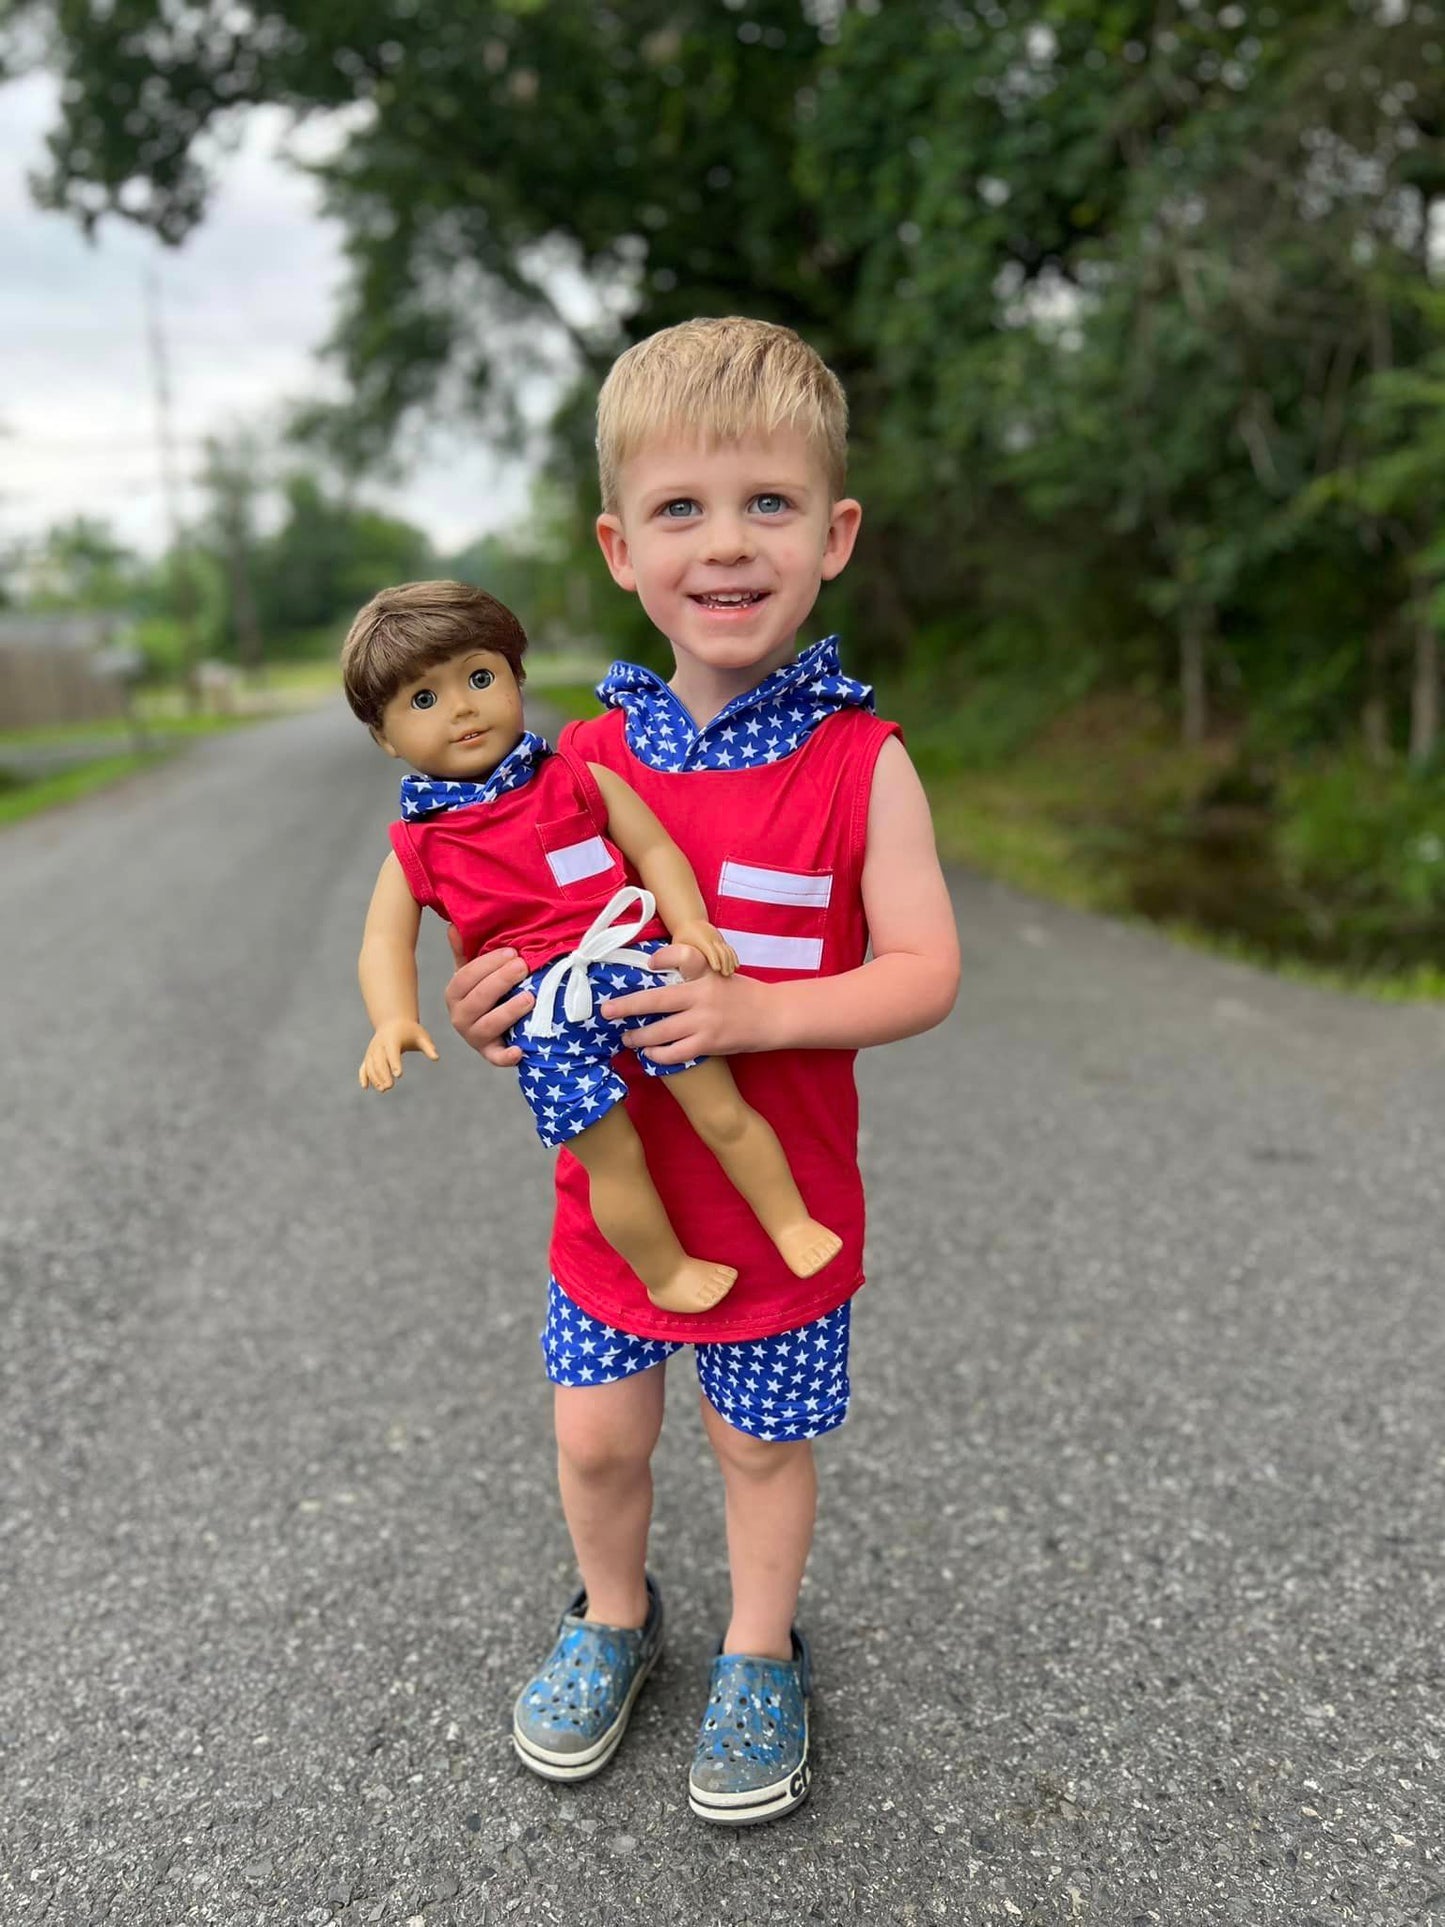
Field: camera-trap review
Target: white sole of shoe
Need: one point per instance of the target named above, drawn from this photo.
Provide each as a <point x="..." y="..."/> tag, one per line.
<point x="581" y="1766"/>
<point x="750" y="1809"/>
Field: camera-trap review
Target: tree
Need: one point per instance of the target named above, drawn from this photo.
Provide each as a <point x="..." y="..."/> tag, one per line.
<point x="1111" y="278"/>
<point x="232" y="480"/>
<point x="499" y="146"/>
<point x="327" y="558"/>
<point x="80" y="564"/>
<point x="1392" y="481"/>
<point x="1135" y="260"/>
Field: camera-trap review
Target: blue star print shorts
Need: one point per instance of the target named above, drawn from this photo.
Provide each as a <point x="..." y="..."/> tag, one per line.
<point x="568" y="1078"/>
<point x="791" y="1386"/>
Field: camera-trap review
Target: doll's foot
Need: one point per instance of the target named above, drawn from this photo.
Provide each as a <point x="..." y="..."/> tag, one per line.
<point x="694" y="1286"/>
<point x="807" y="1247"/>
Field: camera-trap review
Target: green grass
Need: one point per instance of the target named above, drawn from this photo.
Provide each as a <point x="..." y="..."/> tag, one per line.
<point x="155" y="727"/>
<point x="19" y="800"/>
<point x="309" y="680"/>
<point x="167" y="722"/>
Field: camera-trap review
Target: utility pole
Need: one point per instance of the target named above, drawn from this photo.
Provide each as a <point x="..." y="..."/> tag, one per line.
<point x="183" y="582"/>
<point x="230" y="475"/>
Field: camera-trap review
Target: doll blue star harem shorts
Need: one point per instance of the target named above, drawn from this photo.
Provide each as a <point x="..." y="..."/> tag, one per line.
<point x="568" y="1078"/>
<point x="793" y="1385"/>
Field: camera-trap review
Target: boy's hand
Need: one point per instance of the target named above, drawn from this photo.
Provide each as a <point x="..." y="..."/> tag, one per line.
<point x="713" y="1016"/>
<point x="710" y="941"/>
<point x="477" y="1017"/>
<point x="381" y="1066"/>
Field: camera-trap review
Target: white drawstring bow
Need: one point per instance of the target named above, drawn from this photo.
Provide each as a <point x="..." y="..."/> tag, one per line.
<point x="605" y="942"/>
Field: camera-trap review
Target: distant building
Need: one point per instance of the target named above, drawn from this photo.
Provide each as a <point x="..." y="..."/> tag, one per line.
<point x="51" y="668"/>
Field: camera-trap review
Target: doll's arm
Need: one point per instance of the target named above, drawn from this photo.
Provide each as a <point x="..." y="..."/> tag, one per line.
<point x="387" y="969"/>
<point x="663" y="868"/>
<point x="907" y="985"/>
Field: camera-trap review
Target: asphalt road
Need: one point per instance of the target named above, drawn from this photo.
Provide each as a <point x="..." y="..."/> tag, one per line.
<point x="1126" y="1602"/>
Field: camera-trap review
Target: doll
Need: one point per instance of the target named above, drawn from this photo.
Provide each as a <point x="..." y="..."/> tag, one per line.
<point x="516" y="843"/>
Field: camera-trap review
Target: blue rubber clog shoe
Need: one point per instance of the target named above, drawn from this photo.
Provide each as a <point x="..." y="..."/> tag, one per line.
<point x="751" y="1762"/>
<point x="570" y="1718"/>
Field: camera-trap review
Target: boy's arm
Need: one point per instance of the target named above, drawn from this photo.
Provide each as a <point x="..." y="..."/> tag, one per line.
<point x="907" y="985"/>
<point x="663" y="868"/>
<point x="387" y="969"/>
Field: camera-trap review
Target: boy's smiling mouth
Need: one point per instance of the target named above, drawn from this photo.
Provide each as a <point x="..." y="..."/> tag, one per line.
<point x="730" y="598"/>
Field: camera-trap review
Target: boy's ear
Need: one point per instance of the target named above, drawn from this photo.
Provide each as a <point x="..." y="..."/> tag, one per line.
<point x="843" y="526"/>
<point x="382" y="743"/>
<point x="614" y="547"/>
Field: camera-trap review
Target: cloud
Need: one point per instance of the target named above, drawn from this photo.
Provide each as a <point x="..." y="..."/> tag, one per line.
<point x="246" y="304"/>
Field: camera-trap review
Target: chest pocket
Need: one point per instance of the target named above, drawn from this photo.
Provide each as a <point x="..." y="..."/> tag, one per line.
<point x="775" y="919"/>
<point x="583" y="863"/>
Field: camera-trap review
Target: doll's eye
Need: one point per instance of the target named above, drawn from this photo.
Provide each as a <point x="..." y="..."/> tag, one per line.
<point x="424" y="699"/>
<point x="481" y="679"/>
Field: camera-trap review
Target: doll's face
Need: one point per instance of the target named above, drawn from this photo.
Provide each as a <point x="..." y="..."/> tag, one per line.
<point x="457" y="720"/>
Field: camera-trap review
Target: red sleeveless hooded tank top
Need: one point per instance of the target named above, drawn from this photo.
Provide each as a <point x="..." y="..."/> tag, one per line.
<point x="778" y="852"/>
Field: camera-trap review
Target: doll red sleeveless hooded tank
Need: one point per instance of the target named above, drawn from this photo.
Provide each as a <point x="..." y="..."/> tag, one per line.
<point x="530" y="867"/>
<point x="778" y="849"/>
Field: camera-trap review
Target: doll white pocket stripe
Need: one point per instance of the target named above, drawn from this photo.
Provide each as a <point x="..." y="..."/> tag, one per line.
<point x="574" y="861"/>
<point x="776" y="953"/>
<point x="757" y="885"/>
<point x="605" y="941"/>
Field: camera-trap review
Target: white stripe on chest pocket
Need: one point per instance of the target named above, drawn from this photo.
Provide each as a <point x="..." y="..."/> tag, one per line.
<point x="574" y="861"/>
<point x="809" y="891"/>
<point x="775" y="953"/>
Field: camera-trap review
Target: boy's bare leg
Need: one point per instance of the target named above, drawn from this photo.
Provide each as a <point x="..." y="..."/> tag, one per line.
<point x="772" y="1494"/>
<point x="631" y="1218"/>
<point x="747" y="1148"/>
<point x="605" y="1437"/>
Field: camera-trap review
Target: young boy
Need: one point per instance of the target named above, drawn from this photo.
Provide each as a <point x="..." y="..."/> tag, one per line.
<point x="722" y="448"/>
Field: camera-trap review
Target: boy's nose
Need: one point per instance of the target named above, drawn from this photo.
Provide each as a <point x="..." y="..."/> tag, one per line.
<point x="729" y="541"/>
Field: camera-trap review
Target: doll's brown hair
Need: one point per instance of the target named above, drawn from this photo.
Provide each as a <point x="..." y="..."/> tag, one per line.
<point x="404" y="631"/>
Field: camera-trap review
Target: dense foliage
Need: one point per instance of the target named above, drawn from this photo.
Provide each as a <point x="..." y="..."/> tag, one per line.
<point x="1136" y="300"/>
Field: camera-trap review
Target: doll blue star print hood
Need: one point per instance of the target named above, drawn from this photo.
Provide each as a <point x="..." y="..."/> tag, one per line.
<point x="760" y="726"/>
<point x="423" y="796"/>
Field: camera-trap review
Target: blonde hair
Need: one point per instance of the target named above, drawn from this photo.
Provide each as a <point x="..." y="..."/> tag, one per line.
<point x="721" y="380"/>
<point x="404" y="631"/>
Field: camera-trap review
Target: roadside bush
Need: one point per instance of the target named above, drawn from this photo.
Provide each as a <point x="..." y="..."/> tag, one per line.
<point x="1365" y="837"/>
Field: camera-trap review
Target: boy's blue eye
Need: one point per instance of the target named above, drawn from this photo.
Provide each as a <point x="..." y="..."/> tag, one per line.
<point x="481" y="679"/>
<point x="680" y="509"/>
<point x="770" y="504"/>
<point x="424" y="699"/>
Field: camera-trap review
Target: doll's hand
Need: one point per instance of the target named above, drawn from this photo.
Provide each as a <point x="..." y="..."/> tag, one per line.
<point x="713" y="1016"/>
<point x="381" y="1066"/>
<point x="705" y="937"/>
<point x="477" y="1017"/>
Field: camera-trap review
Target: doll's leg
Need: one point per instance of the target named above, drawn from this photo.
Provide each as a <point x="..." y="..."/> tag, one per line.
<point x="747" y="1148"/>
<point x="630" y="1216"/>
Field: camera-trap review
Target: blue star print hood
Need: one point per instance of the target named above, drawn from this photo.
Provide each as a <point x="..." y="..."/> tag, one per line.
<point x="760" y="726"/>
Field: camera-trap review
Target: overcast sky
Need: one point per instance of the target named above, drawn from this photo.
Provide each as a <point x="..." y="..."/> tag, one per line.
<point x="245" y="303"/>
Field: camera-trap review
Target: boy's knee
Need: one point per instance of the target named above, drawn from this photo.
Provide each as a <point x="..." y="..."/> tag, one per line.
<point x="755" y="1458"/>
<point x="603" y="1452"/>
